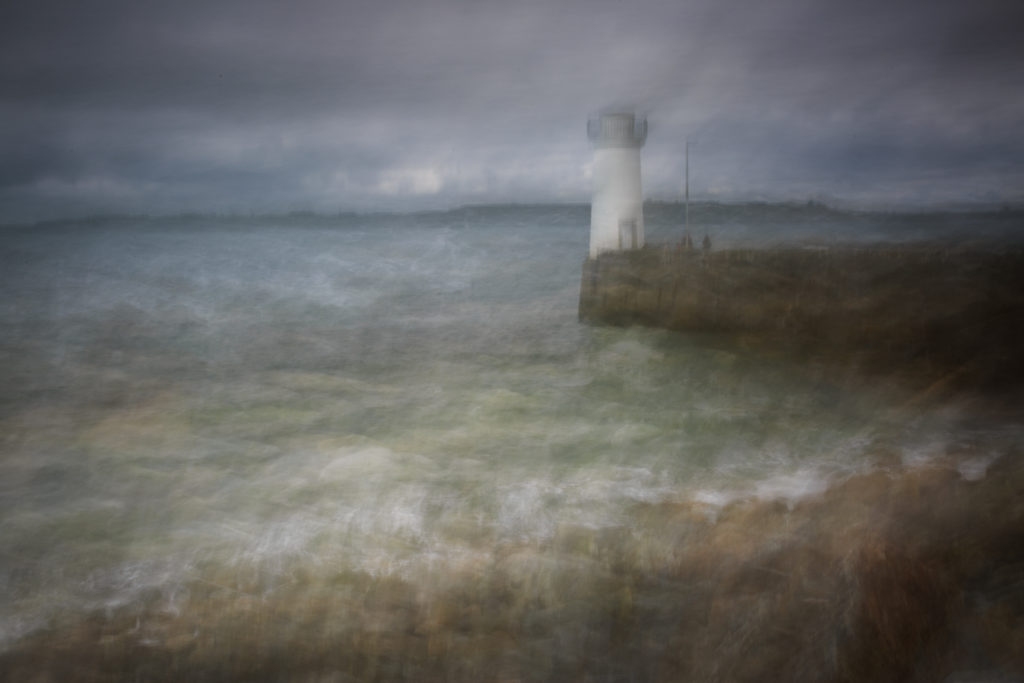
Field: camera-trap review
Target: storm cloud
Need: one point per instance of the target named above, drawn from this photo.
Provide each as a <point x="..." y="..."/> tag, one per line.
<point x="268" y="106"/>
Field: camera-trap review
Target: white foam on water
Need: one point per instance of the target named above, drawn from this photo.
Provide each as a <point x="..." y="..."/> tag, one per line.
<point x="922" y="455"/>
<point x="793" y="487"/>
<point x="280" y="541"/>
<point x="525" y="509"/>
<point x="788" y="487"/>
<point x="618" y="485"/>
<point x="714" y="498"/>
<point x="975" y="469"/>
<point x="400" y="513"/>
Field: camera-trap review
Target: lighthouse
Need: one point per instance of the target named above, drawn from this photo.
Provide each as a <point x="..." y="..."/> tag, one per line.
<point x="617" y="210"/>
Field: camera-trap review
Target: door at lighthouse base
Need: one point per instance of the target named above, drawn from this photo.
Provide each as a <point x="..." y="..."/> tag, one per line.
<point x="627" y="234"/>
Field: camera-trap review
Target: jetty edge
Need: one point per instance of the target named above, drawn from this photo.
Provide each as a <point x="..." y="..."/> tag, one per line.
<point x="925" y="311"/>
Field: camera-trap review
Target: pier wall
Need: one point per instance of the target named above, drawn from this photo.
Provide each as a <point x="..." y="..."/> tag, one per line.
<point x="926" y="308"/>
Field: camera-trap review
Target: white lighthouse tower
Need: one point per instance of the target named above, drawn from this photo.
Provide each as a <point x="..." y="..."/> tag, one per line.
<point x="617" y="210"/>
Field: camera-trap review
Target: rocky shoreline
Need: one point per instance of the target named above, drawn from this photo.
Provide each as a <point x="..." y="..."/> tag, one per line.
<point x="901" y="574"/>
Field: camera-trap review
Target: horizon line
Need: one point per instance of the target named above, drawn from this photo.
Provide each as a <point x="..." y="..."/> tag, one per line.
<point x="831" y="204"/>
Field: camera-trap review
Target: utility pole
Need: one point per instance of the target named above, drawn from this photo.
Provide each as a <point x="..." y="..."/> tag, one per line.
<point x="687" y="229"/>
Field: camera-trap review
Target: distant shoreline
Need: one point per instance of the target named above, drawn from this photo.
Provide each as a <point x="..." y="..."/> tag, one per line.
<point x="702" y="212"/>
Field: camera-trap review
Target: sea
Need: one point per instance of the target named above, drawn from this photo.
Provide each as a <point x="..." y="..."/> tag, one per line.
<point x="277" y="417"/>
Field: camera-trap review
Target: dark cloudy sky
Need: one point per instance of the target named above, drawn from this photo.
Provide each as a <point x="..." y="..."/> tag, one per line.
<point x="200" y="105"/>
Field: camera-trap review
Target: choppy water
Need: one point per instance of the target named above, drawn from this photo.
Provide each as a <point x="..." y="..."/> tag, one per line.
<point x="402" y="396"/>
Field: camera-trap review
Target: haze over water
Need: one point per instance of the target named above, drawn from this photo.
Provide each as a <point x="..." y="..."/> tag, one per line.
<point x="281" y="410"/>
